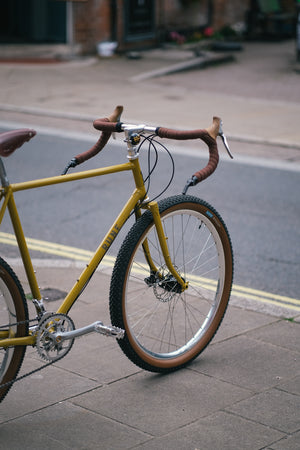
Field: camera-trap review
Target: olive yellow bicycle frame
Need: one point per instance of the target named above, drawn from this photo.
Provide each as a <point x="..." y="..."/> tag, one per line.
<point x="136" y="199"/>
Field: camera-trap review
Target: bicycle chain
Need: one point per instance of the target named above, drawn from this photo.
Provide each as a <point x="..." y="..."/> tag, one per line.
<point x="32" y="372"/>
<point x="9" y="325"/>
<point x="10" y="383"/>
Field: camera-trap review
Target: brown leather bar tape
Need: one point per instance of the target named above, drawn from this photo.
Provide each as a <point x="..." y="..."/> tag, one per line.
<point x="102" y="141"/>
<point x="180" y="134"/>
<point x="105" y="126"/>
<point x="196" y="134"/>
<point x="213" y="158"/>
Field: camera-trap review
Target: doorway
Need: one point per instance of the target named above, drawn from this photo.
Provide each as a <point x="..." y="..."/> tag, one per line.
<point x="139" y="20"/>
<point x="32" y="21"/>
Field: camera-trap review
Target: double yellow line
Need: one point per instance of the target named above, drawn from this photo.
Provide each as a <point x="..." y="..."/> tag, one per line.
<point x="55" y="249"/>
<point x="85" y="255"/>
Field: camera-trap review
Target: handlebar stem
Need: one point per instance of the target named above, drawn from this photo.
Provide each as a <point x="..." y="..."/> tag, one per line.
<point x="130" y="131"/>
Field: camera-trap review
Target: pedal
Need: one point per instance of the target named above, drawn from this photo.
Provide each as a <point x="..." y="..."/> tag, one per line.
<point x="109" y="330"/>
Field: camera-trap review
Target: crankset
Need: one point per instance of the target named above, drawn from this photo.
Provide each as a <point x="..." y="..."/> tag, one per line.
<point x="56" y="334"/>
<point x="48" y="344"/>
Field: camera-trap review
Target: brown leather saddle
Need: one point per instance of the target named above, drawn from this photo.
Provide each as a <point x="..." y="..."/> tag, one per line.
<point x="11" y="140"/>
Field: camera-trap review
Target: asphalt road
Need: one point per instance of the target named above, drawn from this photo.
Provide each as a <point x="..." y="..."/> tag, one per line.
<point x="259" y="204"/>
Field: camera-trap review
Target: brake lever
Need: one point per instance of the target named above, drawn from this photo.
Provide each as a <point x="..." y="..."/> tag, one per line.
<point x="224" y="140"/>
<point x="118" y="120"/>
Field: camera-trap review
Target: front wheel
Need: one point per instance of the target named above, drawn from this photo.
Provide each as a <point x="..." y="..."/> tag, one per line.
<point x="166" y="328"/>
<point x="13" y="323"/>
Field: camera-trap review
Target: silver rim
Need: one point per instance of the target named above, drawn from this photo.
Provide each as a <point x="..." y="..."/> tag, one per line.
<point x="165" y="323"/>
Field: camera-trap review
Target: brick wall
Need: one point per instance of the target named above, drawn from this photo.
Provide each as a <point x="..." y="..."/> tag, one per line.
<point x="93" y="19"/>
<point x="92" y="23"/>
<point x="228" y="12"/>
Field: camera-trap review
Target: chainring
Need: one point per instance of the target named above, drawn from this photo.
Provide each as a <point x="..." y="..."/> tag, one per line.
<point x="47" y="346"/>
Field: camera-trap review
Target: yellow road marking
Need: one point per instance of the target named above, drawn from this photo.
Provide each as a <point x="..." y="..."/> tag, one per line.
<point x="55" y="249"/>
<point x="85" y="255"/>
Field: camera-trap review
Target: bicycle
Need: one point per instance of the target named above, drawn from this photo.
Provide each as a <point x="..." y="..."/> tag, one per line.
<point x="172" y="277"/>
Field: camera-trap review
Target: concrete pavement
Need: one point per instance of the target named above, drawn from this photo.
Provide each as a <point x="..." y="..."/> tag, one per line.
<point x="257" y="95"/>
<point x="243" y="391"/>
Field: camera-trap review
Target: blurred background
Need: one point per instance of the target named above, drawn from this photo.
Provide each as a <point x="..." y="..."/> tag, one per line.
<point x="138" y="24"/>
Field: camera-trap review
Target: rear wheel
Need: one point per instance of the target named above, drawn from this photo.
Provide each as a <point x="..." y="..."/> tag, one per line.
<point x="166" y="328"/>
<point x="13" y="310"/>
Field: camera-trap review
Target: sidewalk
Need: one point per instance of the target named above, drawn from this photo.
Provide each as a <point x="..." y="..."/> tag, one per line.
<point x="243" y="391"/>
<point x="257" y="95"/>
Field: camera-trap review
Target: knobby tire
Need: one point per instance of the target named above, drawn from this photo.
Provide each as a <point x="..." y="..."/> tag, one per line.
<point x="13" y="310"/>
<point x="166" y="328"/>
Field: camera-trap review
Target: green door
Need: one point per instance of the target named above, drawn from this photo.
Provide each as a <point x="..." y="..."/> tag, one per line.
<point x="139" y="19"/>
<point x="32" y="21"/>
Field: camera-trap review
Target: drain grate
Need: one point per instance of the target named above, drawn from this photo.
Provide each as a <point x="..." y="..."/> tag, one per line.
<point x="51" y="294"/>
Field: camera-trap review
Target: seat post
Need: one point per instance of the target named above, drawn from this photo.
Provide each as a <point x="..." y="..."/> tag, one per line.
<point x="3" y="175"/>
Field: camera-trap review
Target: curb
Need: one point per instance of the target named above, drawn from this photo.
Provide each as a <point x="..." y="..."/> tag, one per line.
<point x="204" y="60"/>
<point x="35" y="111"/>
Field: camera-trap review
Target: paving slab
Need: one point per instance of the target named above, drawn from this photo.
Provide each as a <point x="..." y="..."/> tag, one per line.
<point x="238" y="320"/>
<point x="248" y="363"/>
<point x="292" y="385"/>
<point x="287" y="443"/>
<point x="221" y="430"/>
<point x="42" y="390"/>
<point x="274" y="408"/>
<point x="158" y="404"/>
<point x="67" y="426"/>
<point x="282" y="333"/>
<point x="99" y="359"/>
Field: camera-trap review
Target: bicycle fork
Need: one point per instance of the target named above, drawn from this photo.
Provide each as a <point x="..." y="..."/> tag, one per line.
<point x="153" y="207"/>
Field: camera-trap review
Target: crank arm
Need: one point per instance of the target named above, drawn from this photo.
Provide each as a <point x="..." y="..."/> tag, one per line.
<point x="97" y="327"/>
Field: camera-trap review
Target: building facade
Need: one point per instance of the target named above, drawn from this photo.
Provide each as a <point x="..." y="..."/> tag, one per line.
<point x="133" y="24"/>
<point x="136" y="24"/>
